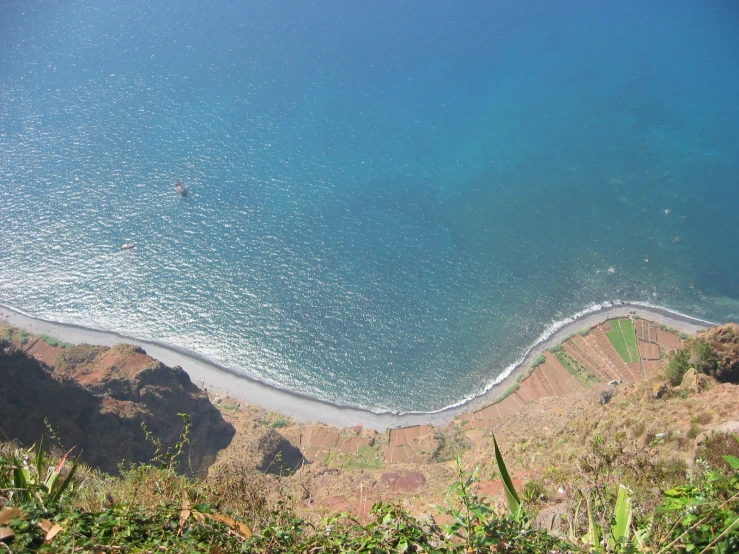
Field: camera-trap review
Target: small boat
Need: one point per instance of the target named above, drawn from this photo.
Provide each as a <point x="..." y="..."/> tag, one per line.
<point x="128" y="246"/>
<point x="181" y="190"/>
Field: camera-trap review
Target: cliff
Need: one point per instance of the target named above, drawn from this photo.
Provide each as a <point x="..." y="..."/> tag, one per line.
<point x="99" y="399"/>
<point x="569" y="431"/>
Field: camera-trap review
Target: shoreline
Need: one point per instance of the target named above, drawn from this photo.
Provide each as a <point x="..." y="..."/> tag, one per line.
<point x="222" y="380"/>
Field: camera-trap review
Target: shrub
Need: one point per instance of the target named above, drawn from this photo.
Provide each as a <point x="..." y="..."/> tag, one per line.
<point x="540" y="359"/>
<point x="677" y="366"/>
<point x="51" y="341"/>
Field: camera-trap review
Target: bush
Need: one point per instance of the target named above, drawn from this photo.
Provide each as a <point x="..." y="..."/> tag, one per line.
<point x="52" y="341"/>
<point x="677" y="366"/>
<point x="540" y="359"/>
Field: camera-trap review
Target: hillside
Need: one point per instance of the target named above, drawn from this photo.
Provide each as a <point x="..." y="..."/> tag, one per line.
<point x="103" y="401"/>
<point x="640" y="430"/>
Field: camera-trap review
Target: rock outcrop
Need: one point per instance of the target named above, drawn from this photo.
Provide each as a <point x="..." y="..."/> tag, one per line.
<point x="276" y="455"/>
<point x="722" y="362"/>
<point x="97" y="399"/>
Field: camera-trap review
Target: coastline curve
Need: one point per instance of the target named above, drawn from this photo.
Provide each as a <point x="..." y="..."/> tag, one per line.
<point x="223" y="380"/>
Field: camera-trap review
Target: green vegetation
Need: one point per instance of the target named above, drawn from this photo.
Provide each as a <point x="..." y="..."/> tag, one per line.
<point x="368" y="457"/>
<point x="576" y="369"/>
<point x="12" y="334"/>
<point x="715" y="447"/>
<point x="667" y="328"/>
<point x="271" y="418"/>
<point x="540" y="359"/>
<point x="280" y="423"/>
<point x="451" y="442"/>
<point x="716" y="354"/>
<point x="51" y="341"/>
<point x="53" y="505"/>
<point x="701" y="516"/>
<point x="623" y="339"/>
<point x="507" y="392"/>
<point x="677" y="366"/>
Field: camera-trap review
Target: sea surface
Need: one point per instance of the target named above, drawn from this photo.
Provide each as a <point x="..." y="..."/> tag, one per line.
<point x="389" y="201"/>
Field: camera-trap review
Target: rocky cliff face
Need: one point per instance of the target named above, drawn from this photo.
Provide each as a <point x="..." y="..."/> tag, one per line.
<point x="723" y="361"/>
<point x="98" y="398"/>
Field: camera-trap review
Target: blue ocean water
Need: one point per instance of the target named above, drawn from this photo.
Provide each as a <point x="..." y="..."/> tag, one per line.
<point x="389" y="201"/>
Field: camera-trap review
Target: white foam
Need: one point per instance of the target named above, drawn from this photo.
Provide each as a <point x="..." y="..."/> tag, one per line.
<point x="549" y="332"/>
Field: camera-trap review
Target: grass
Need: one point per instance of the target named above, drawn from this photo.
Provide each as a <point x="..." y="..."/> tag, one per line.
<point x="368" y="457"/>
<point x="151" y="509"/>
<point x="280" y="423"/>
<point x="506" y="393"/>
<point x="15" y="335"/>
<point x="275" y="420"/>
<point x="51" y="341"/>
<point x="623" y="339"/>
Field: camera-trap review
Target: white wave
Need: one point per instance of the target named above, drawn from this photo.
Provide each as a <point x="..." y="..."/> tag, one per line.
<point x="548" y="333"/>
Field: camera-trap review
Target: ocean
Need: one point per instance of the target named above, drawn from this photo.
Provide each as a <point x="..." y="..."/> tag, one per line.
<point x="388" y="202"/>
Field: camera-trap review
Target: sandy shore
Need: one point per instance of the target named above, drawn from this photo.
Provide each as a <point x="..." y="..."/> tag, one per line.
<point x="221" y="380"/>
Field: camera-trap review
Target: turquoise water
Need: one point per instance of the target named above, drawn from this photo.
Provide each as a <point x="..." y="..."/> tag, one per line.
<point x="389" y="201"/>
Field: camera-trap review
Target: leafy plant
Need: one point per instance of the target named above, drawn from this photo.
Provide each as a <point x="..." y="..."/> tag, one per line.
<point x="533" y="492"/>
<point x="33" y="477"/>
<point x="514" y="502"/>
<point x="622" y="515"/>
<point x="701" y="517"/>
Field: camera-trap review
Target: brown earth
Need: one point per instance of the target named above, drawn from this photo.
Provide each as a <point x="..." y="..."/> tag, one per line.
<point x="547" y="422"/>
<point x="97" y="399"/>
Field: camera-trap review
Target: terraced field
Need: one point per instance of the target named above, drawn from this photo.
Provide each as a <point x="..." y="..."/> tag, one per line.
<point x="623" y="339"/>
<point x="616" y="350"/>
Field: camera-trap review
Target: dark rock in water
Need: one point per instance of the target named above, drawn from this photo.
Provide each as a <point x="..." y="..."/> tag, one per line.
<point x="96" y="399"/>
<point x="181" y="190"/>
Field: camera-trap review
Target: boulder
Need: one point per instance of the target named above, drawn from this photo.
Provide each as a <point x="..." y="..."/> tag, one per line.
<point x="276" y="455"/>
<point x="553" y="520"/>
<point x="693" y="381"/>
<point x="403" y="481"/>
<point x="660" y="389"/>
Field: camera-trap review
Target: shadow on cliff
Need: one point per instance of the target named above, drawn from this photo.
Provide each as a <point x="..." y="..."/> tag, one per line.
<point x="96" y="398"/>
